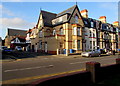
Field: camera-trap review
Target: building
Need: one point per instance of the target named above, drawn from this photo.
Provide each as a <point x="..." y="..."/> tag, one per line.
<point x="58" y="33"/>
<point x="0" y="41"/>
<point x="72" y="31"/>
<point x="13" y="33"/>
<point x="18" y="41"/>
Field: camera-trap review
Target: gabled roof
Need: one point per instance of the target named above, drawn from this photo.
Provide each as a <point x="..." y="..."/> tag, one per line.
<point x="69" y="11"/>
<point x="22" y="39"/>
<point x="15" y="32"/>
<point x="48" y="17"/>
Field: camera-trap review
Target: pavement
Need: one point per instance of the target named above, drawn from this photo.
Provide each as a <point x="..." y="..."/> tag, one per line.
<point x="30" y="69"/>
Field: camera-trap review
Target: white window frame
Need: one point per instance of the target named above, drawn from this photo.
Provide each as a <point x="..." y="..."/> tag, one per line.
<point x="74" y="30"/>
<point x="54" y="32"/>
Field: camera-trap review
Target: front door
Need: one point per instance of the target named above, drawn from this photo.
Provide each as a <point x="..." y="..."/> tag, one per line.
<point x="46" y="47"/>
<point x="32" y="48"/>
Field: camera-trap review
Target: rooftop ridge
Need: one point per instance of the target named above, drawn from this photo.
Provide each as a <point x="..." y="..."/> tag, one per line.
<point x="48" y="12"/>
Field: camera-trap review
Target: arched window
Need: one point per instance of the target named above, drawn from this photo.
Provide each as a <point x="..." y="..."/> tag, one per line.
<point x="40" y="33"/>
<point x="76" y="18"/>
<point x="61" y="31"/>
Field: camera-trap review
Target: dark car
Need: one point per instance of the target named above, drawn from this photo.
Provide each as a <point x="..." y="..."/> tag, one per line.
<point x="102" y="51"/>
<point x="7" y="50"/>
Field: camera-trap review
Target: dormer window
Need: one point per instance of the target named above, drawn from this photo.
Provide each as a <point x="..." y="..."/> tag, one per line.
<point x="60" y="19"/>
<point x="92" y="24"/>
<point x="54" y="32"/>
<point x="76" y="19"/>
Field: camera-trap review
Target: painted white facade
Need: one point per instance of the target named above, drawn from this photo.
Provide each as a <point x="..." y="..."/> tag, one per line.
<point x="90" y="38"/>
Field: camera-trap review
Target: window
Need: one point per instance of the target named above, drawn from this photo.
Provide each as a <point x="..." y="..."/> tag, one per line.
<point x="60" y="19"/>
<point x="90" y="44"/>
<point x="75" y="31"/>
<point x="92" y="24"/>
<point x="76" y="19"/>
<point x="61" y="31"/>
<point x="40" y="44"/>
<point x="40" y="34"/>
<point x="94" y="44"/>
<point x="54" y="32"/>
<point x="85" y="22"/>
<point x="78" y="44"/>
<point x="61" y="45"/>
<point x="78" y="31"/>
<point x="90" y="34"/>
<point x="74" y="43"/>
<point x="93" y="34"/>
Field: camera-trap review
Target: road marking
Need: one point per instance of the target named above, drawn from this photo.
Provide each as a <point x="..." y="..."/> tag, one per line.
<point x="29" y="68"/>
<point x="80" y="62"/>
<point x="108" y="59"/>
<point x="20" y="80"/>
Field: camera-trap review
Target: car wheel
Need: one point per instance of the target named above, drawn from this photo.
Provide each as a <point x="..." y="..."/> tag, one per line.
<point x="90" y="55"/>
<point x="99" y="55"/>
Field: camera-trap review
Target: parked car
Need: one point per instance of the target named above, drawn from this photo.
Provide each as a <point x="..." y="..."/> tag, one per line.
<point x="2" y="47"/>
<point x="18" y="48"/>
<point x="7" y="50"/>
<point x="91" y="53"/>
<point x="102" y="51"/>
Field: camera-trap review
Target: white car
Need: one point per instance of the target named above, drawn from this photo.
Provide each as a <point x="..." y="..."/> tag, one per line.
<point x="91" y="53"/>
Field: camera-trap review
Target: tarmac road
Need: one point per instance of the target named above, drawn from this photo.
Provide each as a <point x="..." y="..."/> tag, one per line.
<point x="45" y="66"/>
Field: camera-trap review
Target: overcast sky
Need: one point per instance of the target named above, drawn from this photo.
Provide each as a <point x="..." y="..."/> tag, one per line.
<point x="24" y="15"/>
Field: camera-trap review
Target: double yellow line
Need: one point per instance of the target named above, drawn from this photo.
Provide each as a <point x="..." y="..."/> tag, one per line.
<point x="19" y="80"/>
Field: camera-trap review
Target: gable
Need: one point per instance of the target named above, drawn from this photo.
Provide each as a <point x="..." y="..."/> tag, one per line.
<point x="40" y="21"/>
<point x="72" y="17"/>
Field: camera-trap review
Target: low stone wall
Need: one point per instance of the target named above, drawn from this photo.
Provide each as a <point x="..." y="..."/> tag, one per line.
<point x="94" y="73"/>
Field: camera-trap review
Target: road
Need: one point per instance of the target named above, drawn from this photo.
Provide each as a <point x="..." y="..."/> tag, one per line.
<point x="26" y="69"/>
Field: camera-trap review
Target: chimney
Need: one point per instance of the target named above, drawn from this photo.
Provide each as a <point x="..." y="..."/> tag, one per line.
<point x="116" y="23"/>
<point x="84" y="13"/>
<point x="102" y="19"/>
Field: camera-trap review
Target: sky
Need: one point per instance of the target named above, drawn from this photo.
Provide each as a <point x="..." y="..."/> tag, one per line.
<point x="24" y="15"/>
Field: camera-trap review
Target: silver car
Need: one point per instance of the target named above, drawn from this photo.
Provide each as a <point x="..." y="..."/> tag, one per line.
<point x="91" y="53"/>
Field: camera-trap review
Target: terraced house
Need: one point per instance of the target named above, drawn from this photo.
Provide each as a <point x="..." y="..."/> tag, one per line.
<point x="72" y="31"/>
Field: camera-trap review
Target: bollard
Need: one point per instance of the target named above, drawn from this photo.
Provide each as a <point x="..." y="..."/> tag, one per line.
<point x="93" y="68"/>
<point x="118" y="61"/>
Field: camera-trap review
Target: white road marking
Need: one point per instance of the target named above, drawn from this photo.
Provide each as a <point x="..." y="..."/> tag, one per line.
<point x="80" y="62"/>
<point x="89" y="61"/>
<point x="29" y="68"/>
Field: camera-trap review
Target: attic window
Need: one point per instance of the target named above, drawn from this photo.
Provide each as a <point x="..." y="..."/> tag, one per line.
<point x="76" y="18"/>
